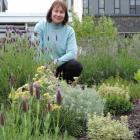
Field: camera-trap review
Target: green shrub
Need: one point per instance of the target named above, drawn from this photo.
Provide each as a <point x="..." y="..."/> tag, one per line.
<point x="134" y="91"/>
<point x="69" y="121"/>
<point x="127" y="65"/>
<point x="117" y="105"/>
<point x="105" y="28"/>
<point x="106" y="90"/>
<point x="113" y="80"/>
<point x="137" y="75"/>
<point x="134" y="88"/>
<point x="84" y="28"/>
<point x="104" y="128"/>
<point x="117" y="98"/>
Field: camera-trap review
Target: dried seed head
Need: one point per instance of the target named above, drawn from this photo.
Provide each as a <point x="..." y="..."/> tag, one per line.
<point x="2" y="118"/>
<point x="58" y="97"/>
<point x="37" y="91"/>
<point x="12" y="80"/>
<point x="31" y="89"/>
<point x="49" y="106"/>
<point x="24" y="105"/>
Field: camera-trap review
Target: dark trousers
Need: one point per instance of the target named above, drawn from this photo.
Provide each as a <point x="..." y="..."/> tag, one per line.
<point x="69" y="70"/>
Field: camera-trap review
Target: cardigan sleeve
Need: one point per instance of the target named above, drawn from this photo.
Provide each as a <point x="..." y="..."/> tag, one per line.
<point x="71" y="51"/>
<point x="38" y="33"/>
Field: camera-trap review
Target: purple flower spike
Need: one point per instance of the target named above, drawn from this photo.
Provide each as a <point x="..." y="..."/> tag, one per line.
<point x="37" y="91"/>
<point x="12" y="80"/>
<point x="7" y="28"/>
<point x="2" y="118"/>
<point x="31" y="89"/>
<point x="24" y="105"/>
<point x="49" y="106"/>
<point x="58" y="97"/>
<point x="20" y="33"/>
<point x="13" y="28"/>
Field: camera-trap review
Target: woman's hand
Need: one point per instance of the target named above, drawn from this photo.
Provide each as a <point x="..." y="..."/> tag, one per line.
<point x="55" y="61"/>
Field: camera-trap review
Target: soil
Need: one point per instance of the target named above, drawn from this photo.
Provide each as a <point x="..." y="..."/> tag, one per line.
<point x="134" y="120"/>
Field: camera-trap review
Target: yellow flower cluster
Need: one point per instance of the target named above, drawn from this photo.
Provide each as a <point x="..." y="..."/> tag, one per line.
<point x="55" y="107"/>
<point x="41" y="69"/>
<point x="137" y="75"/>
<point x="47" y="95"/>
<point x="46" y="81"/>
<point x="16" y="95"/>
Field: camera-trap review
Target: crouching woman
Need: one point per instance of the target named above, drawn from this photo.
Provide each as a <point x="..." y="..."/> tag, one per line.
<point x="59" y="38"/>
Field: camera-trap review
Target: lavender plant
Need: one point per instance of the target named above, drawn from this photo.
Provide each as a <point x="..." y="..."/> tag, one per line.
<point x="23" y="120"/>
<point x="18" y="60"/>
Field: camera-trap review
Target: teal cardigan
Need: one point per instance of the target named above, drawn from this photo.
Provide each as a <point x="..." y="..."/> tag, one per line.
<point x="58" y="39"/>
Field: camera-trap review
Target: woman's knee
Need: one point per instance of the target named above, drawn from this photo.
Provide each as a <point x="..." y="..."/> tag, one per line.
<point x="74" y="67"/>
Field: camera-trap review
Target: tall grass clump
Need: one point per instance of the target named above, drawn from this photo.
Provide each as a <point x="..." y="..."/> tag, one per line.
<point x="98" y="65"/>
<point x="102" y="62"/>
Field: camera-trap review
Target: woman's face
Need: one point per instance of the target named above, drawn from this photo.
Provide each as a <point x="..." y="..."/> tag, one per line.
<point x="58" y="15"/>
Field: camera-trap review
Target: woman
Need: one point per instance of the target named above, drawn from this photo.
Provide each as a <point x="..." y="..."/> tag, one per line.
<point x="59" y="39"/>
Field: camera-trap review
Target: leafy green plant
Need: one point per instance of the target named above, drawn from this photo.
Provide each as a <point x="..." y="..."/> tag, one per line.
<point x="84" y="28"/>
<point x="134" y="88"/>
<point x="106" y="90"/>
<point x="107" y="53"/>
<point x="70" y="121"/>
<point x="117" y="98"/>
<point x="137" y="76"/>
<point x="127" y="64"/>
<point x="91" y="30"/>
<point x="106" y="128"/>
<point x="117" y="105"/>
<point x="134" y="91"/>
<point x="105" y="27"/>
<point x="113" y="80"/>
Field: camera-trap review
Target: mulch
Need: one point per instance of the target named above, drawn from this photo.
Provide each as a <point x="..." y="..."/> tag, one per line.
<point x="134" y="120"/>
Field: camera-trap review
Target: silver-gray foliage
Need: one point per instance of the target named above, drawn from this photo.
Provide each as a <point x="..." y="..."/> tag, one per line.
<point x="83" y="101"/>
